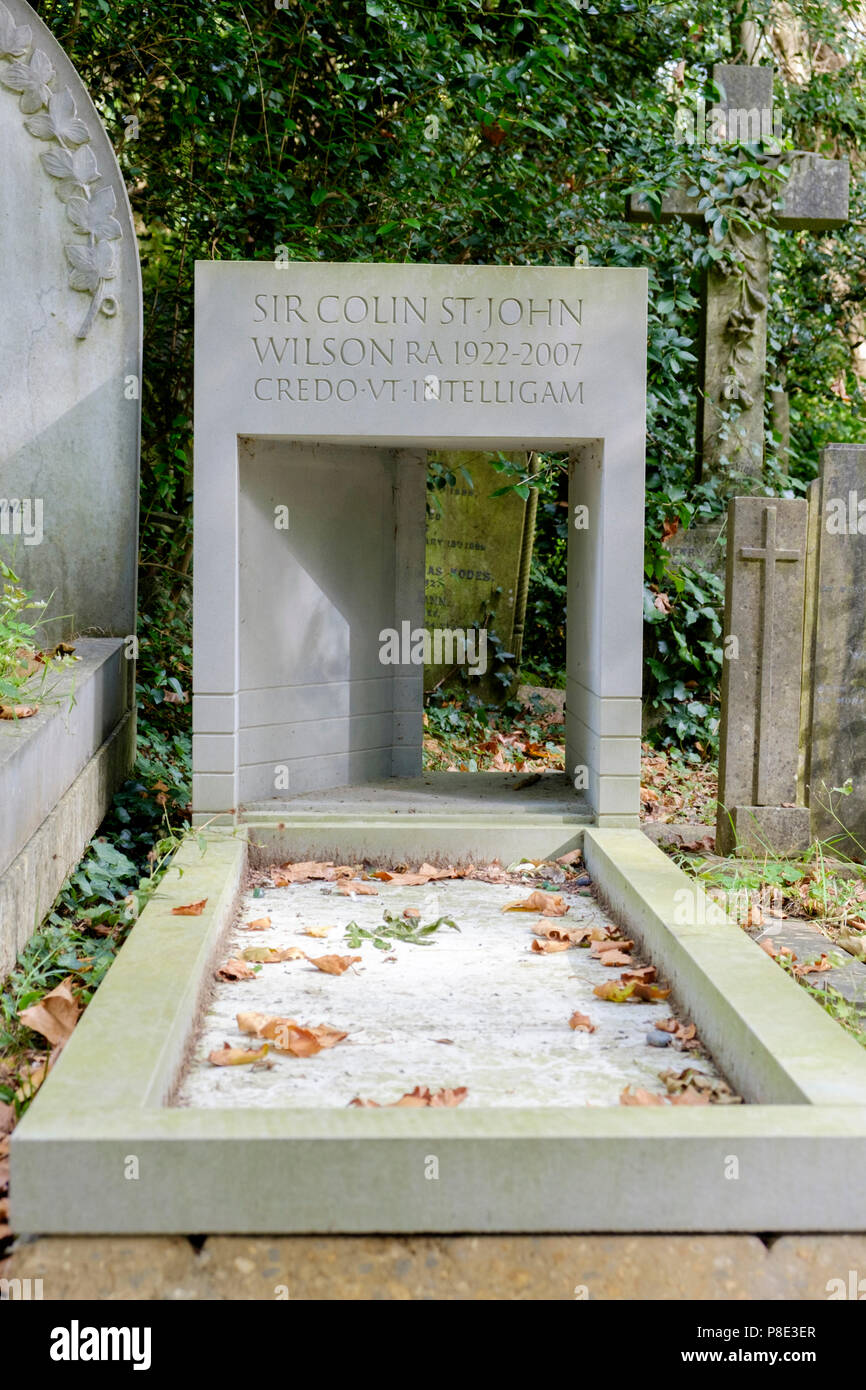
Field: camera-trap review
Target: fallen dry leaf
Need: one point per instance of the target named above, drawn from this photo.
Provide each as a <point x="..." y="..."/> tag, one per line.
<point x="574" y="935"/>
<point x="190" y="910"/>
<point x="317" y="931"/>
<point x="420" y="1097"/>
<point x="260" y="924"/>
<point x="290" y="1036"/>
<point x="614" y="957"/>
<point x="814" y="967"/>
<point x="284" y="874"/>
<point x="54" y="1016"/>
<point x="7" y="1118"/>
<point x="854" y="945"/>
<point x="580" y="1023"/>
<point x="691" y="1096"/>
<point x="615" y="991"/>
<point x="272" y="955"/>
<point x="235" y="970"/>
<point x="693" y="1085"/>
<point x="649" y="993"/>
<point x="412" y="878"/>
<point x="684" y="1033"/>
<point x="548" y="904"/>
<point x="228" y="1056"/>
<point x="332" y="965"/>
<point x="18" y="711"/>
<point x="646" y="973"/>
<point x="600" y="948"/>
<point x="640" y="1097"/>
<point x="349" y="886"/>
<point x="548" y="948"/>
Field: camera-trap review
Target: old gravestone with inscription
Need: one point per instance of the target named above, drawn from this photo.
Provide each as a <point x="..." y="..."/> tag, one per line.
<point x="477" y="546"/>
<point x="319" y="393"/>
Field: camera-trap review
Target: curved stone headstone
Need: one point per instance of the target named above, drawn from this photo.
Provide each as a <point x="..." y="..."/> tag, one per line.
<point x="70" y="341"/>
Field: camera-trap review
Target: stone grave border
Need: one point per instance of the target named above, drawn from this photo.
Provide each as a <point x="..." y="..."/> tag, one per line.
<point x="58" y="772"/>
<point x="353" y="1171"/>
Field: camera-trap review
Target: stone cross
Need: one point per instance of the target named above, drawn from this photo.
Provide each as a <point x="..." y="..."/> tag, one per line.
<point x="769" y="556"/>
<point x="734" y="329"/>
<point x="761" y="677"/>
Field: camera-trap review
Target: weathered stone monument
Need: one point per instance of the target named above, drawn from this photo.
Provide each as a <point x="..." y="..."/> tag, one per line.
<point x="792" y="765"/>
<point x="309" y="607"/>
<point x="732" y="360"/>
<point x="763" y="643"/>
<point x="70" y="382"/>
<point x="835" y="658"/>
<point x="477" y="549"/>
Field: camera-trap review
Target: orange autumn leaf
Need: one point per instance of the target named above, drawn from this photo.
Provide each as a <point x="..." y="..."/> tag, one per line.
<point x="599" y="948"/>
<point x="548" y="904"/>
<point x="352" y="885"/>
<point x="421" y="1096"/>
<point x="290" y="1036"/>
<point x="813" y="967"/>
<point x="228" y="1056"/>
<point x="647" y="973"/>
<point x="553" y="932"/>
<point x="691" y="1096"/>
<point x="235" y="970"/>
<point x="615" y="991"/>
<point x="580" y="1023"/>
<point x="650" y="994"/>
<point x="55" y="1016"/>
<point x="260" y="924"/>
<point x="18" y="711"/>
<point x="332" y="965"/>
<point x="640" y="1097"/>
<point x="614" y="957"/>
<point x="317" y="931"/>
<point x="284" y="874"/>
<point x="190" y="909"/>
<point x="547" y="948"/>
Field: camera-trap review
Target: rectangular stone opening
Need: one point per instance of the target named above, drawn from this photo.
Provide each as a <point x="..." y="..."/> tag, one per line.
<point x="332" y="638"/>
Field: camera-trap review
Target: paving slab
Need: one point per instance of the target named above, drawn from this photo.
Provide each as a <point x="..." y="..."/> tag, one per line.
<point x="525" y="1268"/>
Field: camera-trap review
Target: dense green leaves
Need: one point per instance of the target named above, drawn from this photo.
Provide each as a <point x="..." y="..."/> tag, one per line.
<point x="489" y="131"/>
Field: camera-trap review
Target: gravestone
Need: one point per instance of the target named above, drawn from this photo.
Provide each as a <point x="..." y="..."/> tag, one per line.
<point x="475" y="553"/>
<point x="70" y="383"/>
<point x="835" y="678"/>
<point x="70" y="347"/>
<point x="309" y="523"/>
<point x="763" y="646"/>
<point x="733" y="340"/>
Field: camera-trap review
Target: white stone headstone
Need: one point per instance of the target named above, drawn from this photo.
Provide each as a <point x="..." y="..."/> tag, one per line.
<point x="70" y="340"/>
<point x="319" y="389"/>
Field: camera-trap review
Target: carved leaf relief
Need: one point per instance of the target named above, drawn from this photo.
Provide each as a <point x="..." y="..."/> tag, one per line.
<point x="50" y="115"/>
<point x="15" y="39"/>
<point x="60" y="122"/>
<point x="31" y="80"/>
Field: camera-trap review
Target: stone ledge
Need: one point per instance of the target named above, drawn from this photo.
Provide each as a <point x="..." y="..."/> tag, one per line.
<point x="32" y="881"/>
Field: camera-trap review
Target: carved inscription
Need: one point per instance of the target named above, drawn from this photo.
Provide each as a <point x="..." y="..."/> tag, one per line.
<point x="464" y="350"/>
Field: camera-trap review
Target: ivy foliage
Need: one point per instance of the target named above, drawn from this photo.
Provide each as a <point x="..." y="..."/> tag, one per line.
<point x="490" y="131"/>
